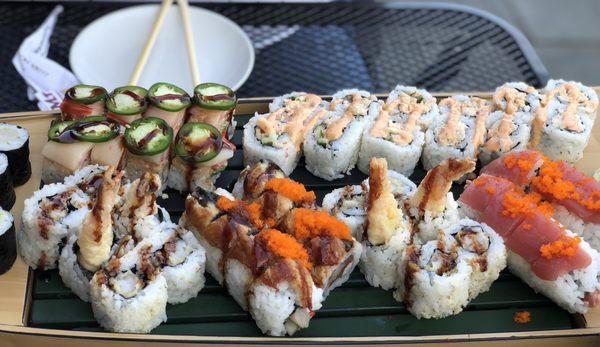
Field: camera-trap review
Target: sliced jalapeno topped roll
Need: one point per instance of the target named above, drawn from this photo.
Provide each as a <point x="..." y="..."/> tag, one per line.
<point x="198" y="142"/>
<point x="85" y="94"/>
<point x="148" y="136"/>
<point x="168" y="97"/>
<point x="128" y="100"/>
<point x="214" y="96"/>
<point x="91" y="129"/>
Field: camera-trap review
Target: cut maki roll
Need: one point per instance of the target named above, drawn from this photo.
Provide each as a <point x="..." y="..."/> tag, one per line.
<point x="564" y="123"/>
<point x="252" y="180"/>
<point x="331" y="147"/>
<point x="83" y="101"/>
<point x="8" y="246"/>
<point x="74" y="144"/>
<point x="387" y="230"/>
<point x="126" y="104"/>
<point x="201" y="154"/>
<point x="214" y="104"/>
<point x="7" y="191"/>
<point x="397" y="132"/>
<point x="519" y="98"/>
<point x="148" y="141"/>
<point x="433" y="207"/>
<point x="169" y="103"/>
<point x="14" y="142"/>
<point x="458" y="132"/>
<point x="278" y="136"/>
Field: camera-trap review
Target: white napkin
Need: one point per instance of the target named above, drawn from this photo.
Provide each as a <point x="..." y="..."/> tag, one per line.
<point x="47" y="80"/>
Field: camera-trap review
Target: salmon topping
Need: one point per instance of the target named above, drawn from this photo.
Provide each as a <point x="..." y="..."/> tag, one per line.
<point x="291" y="190"/>
<point x="564" y="247"/>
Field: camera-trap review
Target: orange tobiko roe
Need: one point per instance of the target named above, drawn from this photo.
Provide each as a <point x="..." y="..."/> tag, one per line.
<point x="550" y="181"/>
<point x="519" y="204"/>
<point x="525" y="162"/>
<point x="290" y="189"/>
<point x="311" y="223"/>
<point x="284" y="246"/>
<point x="564" y="247"/>
<point x="522" y="317"/>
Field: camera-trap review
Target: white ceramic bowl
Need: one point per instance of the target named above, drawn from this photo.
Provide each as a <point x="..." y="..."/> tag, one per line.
<point x="106" y="51"/>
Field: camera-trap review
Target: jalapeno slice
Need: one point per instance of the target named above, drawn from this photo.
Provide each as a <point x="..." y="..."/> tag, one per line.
<point x="198" y="142"/>
<point x="128" y="100"/>
<point x="148" y="136"/>
<point x="85" y="94"/>
<point x="168" y="97"/>
<point x="57" y="128"/>
<point x="94" y="129"/>
<point x="214" y="96"/>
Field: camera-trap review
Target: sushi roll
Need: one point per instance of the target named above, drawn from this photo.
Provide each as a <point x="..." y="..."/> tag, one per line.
<point x="348" y="204"/>
<point x="129" y="295"/>
<point x="432" y="207"/>
<point x="544" y="254"/>
<point x="83" y="101"/>
<point x="8" y="246"/>
<point x="74" y="144"/>
<point x="126" y="104"/>
<point x="214" y="104"/>
<point x="387" y="230"/>
<point x="481" y="247"/>
<point x="138" y="202"/>
<point x="396" y="133"/>
<point x="50" y="216"/>
<point x="406" y="97"/>
<point x="169" y="103"/>
<point x="278" y="136"/>
<point x="14" y="143"/>
<point x="518" y="97"/>
<point x="564" y="123"/>
<point x="509" y="129"/>
<point x="147" y="143"/>
<point x="458" y="132"/>
<point x="435" y="281"/>
<point x="86" y="251"/>
<point x="252" y="180"/>
<point x="7" y="191"/>
<point x="573" y="195"/>
<point x="201" y="154"/>
<point x="331" y="147"/>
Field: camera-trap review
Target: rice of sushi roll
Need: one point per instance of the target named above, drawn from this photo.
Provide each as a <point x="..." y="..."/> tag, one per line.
<point x="8" y="246"/>
<point x="14" y="142"/>
<point x="458" y="132"/>
<point x="7" y="191"/>
<point x="83" y="101"/>
<point x="522" y="98"/>
<point x="201" y="154"/>
<point x="49" y="217"/>
<point x="73" y="275"/>
<point x="483" y="249"/>
<point x="435" y="281"/>
<point x="148" y="141"/>
<point x="278" y="136"/>
<point x="564" y="123"/>
<point x="331" y="147"/>
<point x="252" y="180"/>
<point x="396" y="133"/>
<point x="432" y="206"/>
<point x="131" y="297"/>
<point x="387" y="230"/>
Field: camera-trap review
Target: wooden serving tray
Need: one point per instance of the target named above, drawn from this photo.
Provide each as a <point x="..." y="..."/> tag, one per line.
<point x="36" y="308"/>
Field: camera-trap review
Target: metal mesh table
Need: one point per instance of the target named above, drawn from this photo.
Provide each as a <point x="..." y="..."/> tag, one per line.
<point x="323" y="47"/>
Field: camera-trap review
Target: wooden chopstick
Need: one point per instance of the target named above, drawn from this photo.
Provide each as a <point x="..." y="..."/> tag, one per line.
<point x="184" y="8"/>
<point x="158" y="22"/>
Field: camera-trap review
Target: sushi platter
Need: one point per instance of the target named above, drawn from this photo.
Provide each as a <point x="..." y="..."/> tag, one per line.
<point x="374" y="302"/>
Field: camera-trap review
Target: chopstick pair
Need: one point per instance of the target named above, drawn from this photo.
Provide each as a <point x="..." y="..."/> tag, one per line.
<point x="189" y="40"/>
